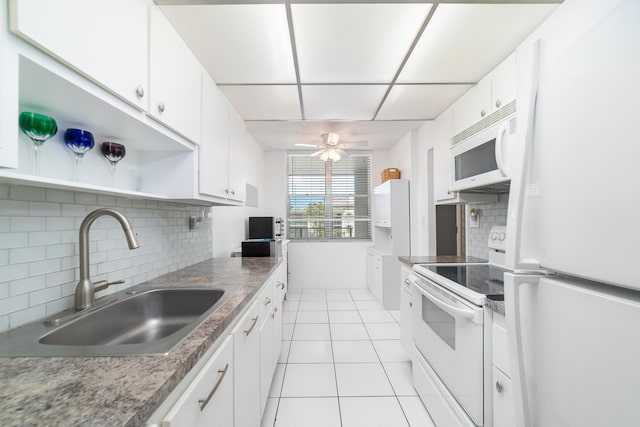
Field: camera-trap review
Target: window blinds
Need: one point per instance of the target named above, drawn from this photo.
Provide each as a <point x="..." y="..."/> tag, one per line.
<point x="329" y="200"/>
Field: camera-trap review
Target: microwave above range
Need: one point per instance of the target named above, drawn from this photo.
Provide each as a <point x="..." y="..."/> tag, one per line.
<point x="482" y="161"/>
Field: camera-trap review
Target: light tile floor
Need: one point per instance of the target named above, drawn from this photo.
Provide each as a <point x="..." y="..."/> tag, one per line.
<point x="342" y="365"/>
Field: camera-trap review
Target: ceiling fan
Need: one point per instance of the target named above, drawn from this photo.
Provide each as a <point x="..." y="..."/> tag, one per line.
<point x="330" y="148"/>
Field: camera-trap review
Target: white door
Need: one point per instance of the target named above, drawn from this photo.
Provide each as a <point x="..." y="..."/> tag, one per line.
<point x="573" y="202"/>
<point x="574" y="352"/>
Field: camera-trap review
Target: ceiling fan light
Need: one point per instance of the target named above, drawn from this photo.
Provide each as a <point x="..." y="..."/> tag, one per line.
<point x="324" y="156"/>
<point x="333" y="138"/>
<point x="333" y="155"/>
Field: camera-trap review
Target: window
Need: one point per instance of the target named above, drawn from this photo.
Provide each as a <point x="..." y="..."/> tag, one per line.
<point x="329" y="200"/>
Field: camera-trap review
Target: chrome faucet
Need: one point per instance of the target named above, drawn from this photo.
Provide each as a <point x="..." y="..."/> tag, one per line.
<point x="86" y="289"/>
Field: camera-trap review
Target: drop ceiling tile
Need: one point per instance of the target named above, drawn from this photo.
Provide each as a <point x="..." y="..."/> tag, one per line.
<point x="265" y="102"/>
<point x="238" y="43"/>
<point x="354" y="43"/>
<point x="463" y="42"/>
<point x="419" y="102"/>
<point x="341" y="102"/>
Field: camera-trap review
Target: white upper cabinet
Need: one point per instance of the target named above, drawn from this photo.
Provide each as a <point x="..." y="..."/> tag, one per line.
<point x="175" y="79"/>
<point x="238" y="136"/>
<point x="491" y="93"/>
<point x="105" y="40"/>
<point x="503" y="83"/>
<point x="214" y="146"/>
<point x="222" y="149"/>
<point x="472" y="107"/>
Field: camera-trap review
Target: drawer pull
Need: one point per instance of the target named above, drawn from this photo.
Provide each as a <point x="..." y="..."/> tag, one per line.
<point x="267" y="301"/>
<point x="222" y="372"/>
<point x="499" y="386"/>
<point x="248" y="331"/>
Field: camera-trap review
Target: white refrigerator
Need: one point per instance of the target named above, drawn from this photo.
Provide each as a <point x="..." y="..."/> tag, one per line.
<point x="573" y="301"/>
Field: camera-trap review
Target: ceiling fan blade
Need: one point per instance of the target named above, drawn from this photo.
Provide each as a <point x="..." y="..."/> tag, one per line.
<point x="308" y="145"/>
<point x="316" y="153"/>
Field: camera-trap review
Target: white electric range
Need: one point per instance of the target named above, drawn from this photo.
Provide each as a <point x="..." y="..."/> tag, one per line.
<point x="452" y="365"/>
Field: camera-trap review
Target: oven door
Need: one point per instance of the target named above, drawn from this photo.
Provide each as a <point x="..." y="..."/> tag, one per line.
<point x="448" y="333"/>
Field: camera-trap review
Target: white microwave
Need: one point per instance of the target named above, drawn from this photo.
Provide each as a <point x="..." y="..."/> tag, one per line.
<point x="483" y="159"/>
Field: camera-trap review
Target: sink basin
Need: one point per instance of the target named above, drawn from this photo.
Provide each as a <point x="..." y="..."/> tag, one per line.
<point x="143" y="318"/>
<point x="142" y="322"/>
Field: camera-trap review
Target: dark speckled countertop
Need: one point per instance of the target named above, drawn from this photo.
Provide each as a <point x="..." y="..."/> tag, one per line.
<point x="124" y="391"/>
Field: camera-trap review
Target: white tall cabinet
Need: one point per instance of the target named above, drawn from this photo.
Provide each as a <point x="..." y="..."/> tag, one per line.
<point x="391" y="236"/>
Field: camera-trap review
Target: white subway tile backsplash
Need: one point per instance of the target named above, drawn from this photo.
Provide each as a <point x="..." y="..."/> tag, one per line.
<point x="20" y="255"/>
<point x="39" y="246"/>
<point x="490" y="214"/>
<point x="14" y="208"/>
<point x="86" y="199"/>
<point x="13" y="272"/>
<point x="44" y="267"/>
<point x="20" y="192"/>
<point x="13" y="304"/>
<point x="44" y="209"/>
<point x="58" y="305"/>
<point x="45" y="295"/>
<point x="60" y="277"/>
<point x="60" y="251"/>
<point x="59" y="196"/>
<point x="39" y="238"/>
<point x="14" y="240"/>
<point x="25" y="286"/>
<point x="28" y="224"/>
<point x="28" y="315"/>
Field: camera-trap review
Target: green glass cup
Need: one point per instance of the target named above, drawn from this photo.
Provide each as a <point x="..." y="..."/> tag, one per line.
<point x="38" y="128"/>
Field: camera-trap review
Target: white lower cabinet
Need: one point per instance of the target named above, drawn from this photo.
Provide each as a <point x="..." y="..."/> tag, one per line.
<point x="230" y="384"/>
<point x="208" y="401"/>
<point x="406" y="305"/>
<point x="503" y="399"/>
<point x="267" y="363"/>
<point x="246" y="378"/>
<point x="503" y="410"/>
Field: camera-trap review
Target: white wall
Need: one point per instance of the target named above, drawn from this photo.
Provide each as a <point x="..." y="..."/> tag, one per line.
<point x="230" y="223"/>
<point x="328" y="264"/>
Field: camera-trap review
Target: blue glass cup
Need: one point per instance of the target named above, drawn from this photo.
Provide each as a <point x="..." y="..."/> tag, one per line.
<point x="79" y="141"/>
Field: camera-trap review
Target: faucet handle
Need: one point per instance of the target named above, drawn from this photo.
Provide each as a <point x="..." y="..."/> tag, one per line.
<point x="103" y="284"/>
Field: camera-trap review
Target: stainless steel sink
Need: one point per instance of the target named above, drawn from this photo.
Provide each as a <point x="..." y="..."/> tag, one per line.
<point x="135" y="322"/>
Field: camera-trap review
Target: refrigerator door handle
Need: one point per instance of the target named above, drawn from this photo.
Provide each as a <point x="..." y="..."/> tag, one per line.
<point x="520" y="193"/>
<point x="512" y="284"/>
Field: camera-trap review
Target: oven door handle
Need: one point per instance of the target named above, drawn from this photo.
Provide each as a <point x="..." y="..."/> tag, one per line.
<point x="465" y="313"/>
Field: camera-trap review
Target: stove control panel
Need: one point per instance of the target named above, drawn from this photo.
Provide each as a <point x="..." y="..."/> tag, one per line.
<point x="498" y="237"/>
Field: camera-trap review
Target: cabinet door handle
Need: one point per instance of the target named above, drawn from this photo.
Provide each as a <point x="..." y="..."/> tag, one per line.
<point x="267" y="301"/>
<point x="275" y="310"/>
<point x="498" y="103"/>
<point x="406" y="282"/>
<point x="140" y="92"/>
<point x="233" y="192"/>
<point x="222" y="373"/>
<point x="410" y="304"/>
<point x="499" y="386"/>
<point x="482" y="113"/>
<point x="161" y="107"/>
<point x="248" y="331"/>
